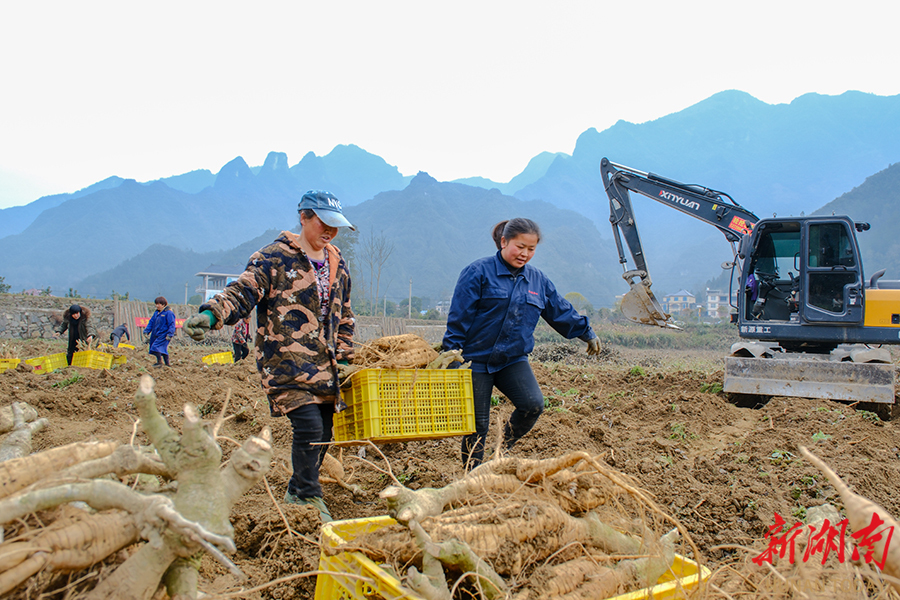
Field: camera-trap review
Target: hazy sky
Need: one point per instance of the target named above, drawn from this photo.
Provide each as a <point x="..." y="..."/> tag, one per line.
<point x="457" y="89"/>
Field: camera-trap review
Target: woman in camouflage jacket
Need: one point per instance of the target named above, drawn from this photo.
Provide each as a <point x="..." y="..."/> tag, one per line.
<point x="300" y="285"/>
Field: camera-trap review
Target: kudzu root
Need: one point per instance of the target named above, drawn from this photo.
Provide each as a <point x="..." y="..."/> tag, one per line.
<point x="68" y="548"/>
<point x="506" y="535"/>
<point x="18" y="442"/>
<point x="332" y="471"/>
<point x="19" y="473"/>
<point x="859" y="512"/>
<point x="456" y="555"/>
<point x="178" y="528"/>
<point x="7" y="418"/>
<point x="581" y="491"/>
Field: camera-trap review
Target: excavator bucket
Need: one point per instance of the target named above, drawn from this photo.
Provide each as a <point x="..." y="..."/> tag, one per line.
<point x="640" y="305"/>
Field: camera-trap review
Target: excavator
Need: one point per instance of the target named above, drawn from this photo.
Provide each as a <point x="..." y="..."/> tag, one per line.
<point x="810" y="324"/>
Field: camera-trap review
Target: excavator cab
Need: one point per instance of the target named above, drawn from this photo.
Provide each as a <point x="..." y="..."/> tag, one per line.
<point x="804" y="271"/>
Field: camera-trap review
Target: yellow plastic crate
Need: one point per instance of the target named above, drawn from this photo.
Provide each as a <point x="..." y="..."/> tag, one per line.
<point x="334" y="587"/>
<point x="222" y="358"/>
<point x="119" y="360"/>
<point x="121" y="345"/>
<point x="401" y="405"/>
<point x="48" y="364"/>
<point x="9" y="363"/>
<point x="684" y="575"/>
<point x="92" y="359"/>
<point x="35" y="362"/>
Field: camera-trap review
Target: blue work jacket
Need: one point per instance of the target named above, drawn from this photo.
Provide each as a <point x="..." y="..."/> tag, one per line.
<point x="161" y="328"/>
<point x="493" y="314"/>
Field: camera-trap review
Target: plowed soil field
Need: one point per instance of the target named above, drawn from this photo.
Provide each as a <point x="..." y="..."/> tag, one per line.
<point x="722" y="470"/>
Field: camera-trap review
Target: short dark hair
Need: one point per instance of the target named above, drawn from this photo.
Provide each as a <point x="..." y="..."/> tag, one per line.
<point x="161" y="300"/>
<point x="307" y="213"/>
<point x="513" y="228"/>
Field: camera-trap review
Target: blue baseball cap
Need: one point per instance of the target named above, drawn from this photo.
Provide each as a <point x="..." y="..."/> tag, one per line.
<point x="326" y="206"/>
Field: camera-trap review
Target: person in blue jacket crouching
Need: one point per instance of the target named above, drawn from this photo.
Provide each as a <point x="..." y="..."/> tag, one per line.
<point x="495" y="308"/>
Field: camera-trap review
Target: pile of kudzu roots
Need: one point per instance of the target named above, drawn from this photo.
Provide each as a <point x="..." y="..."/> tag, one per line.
<point x="69" y="508"/>
<point x="405" y="351"/>
<point x="568" y="528"/>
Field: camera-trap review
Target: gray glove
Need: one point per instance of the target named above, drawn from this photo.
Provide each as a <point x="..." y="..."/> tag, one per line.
<point x="345" y="371"/>
<point x="198" y="325"/>
<point x="593" y="348"/>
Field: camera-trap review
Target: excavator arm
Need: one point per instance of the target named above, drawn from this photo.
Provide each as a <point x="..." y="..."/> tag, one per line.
<point x="713" y="207"/>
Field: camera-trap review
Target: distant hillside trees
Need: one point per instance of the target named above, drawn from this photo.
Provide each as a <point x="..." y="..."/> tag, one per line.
<point x="372" y="252"/>
<point x="4" y="287"/>
<point x="580" y="303"/>
<point x="416" y="307"/>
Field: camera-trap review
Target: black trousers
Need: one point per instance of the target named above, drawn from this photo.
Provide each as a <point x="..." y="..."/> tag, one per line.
<point x="240" y="351"/>
<point x="160" y="357"/>
<point x="517" y="383"/>
<point x="311" y="423"/>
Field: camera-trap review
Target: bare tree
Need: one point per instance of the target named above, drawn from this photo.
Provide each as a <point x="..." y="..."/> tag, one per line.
<point x="374" y="252"/>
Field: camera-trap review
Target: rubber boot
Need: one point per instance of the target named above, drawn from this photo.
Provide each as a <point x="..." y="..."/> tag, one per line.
<point x="315" y="501"/>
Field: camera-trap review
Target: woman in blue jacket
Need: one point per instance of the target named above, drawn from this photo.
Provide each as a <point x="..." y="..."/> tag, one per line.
<point x="495" y="308"/>
<point x="161" y="329"/>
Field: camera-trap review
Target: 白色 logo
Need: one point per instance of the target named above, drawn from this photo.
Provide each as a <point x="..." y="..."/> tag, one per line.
<point x="679" y="200"/>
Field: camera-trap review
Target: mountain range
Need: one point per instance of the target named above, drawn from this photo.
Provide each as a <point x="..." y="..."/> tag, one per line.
<point x="816" y="153"/>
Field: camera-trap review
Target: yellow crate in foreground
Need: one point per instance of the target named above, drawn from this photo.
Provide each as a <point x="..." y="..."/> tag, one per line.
<point x="382" y="584"/>
<point x="684" y="575"/>
<point x="9" y="363"/>
<point x="92" y="359"/>
<point x="402" y="405"/>
<point x="222" y="358"/>
<point x="47" y="364"/>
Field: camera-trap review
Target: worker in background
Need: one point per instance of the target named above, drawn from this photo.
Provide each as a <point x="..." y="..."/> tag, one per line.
<point x="239" y="338"/>
<point x="304" y="340"/>
<point x="77" y="321"/>
<point x="117" y="334"/>
<point x="495" y="308"/>
<point x="161" y="330"/>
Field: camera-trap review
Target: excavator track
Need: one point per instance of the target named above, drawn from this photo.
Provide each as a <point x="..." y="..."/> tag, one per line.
<point x="833" y="376"/>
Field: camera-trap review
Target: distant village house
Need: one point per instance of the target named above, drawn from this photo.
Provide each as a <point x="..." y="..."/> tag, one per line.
<point x="215" y="278"/>
<point x="717" y="304"/>
<point x="680" y="301"/>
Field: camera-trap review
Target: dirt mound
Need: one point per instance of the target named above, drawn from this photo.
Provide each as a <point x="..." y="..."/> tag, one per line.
<point x="723" y="471"/>
<point x="571" y="354"/>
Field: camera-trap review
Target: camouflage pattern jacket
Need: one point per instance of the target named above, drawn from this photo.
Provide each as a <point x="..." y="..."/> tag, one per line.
<point x="297" y="360"/>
